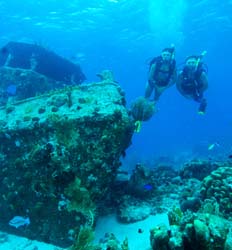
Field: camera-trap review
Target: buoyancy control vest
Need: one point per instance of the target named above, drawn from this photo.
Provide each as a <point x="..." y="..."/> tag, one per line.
<point x="158" y="69"/>
<point x="192" y="82"/>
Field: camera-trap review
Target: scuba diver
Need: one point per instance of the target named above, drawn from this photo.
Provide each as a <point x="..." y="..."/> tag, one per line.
<point x="162" y="73"/>
<point x="192" y="81"/>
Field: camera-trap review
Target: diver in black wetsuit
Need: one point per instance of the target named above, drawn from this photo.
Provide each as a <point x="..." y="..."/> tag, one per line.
<point x="192" y="81"/>
<point x="162" y="73"/>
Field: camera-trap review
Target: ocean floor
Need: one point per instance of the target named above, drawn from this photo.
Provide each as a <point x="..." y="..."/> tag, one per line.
<point x="106" y="224"/>
<point x="109" y="224"/>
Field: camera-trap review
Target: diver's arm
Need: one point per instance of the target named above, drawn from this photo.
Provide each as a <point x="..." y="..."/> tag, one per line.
<point x="150" y="82"/>
<point x="204" y="81"/>
<point x="173" y="78"/>
<point x="179" y="82"/>
<point x="151" y="74"/>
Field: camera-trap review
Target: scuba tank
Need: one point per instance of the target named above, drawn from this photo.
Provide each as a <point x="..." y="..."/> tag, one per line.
<point x="197" y="69"/>
<point x="192" y="76"/>
<point x="200" y="57"/>
<point x="172" y="47"/>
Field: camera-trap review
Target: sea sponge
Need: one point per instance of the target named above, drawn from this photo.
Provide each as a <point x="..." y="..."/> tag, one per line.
<point x="142" y="109"/>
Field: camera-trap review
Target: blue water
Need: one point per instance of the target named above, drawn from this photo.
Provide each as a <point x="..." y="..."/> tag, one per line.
<point x="122" y="35"/>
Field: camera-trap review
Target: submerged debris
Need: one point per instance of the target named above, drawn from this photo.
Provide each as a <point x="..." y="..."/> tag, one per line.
<point x="65" y="146"/>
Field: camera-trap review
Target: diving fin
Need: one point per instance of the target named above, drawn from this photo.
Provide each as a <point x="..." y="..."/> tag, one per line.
<point x="202" y="107"/>
<point x="138" y="126"/>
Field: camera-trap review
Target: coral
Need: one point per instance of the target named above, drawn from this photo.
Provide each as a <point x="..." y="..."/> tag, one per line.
<point x="80" y="200"/>
<point x="142" y="109"/>
<point x="210" y="206"/>
<point x="84" y="239"/>
<point x="175" y="215"/>
<point x="198" y="169"/>
<point x="125" y="245"/>
<point x="159" y="237"/>
<point x="110" y="242"/>
<point x="217" y="187"/>
<point x="175" y="239"/>
<point x="202" y="234"/>
<point x="201" y="231"/>
<point x="228" y="242"/>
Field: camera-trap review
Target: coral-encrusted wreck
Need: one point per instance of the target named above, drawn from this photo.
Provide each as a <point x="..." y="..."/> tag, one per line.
<point x="59" y="154"/>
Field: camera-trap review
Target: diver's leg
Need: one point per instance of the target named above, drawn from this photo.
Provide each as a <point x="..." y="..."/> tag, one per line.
<point x="148" y="90"/>
<point x="203" y="103"/>
<point x="158" y="92"/>
<point x="202" y="107"/>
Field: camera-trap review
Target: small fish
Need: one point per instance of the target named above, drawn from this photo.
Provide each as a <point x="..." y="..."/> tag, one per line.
<point x="230" y="156"/>
<point x="148" y="187"/>
<point x="19" y="221"/>
<point x="140" y="230"/>
<point x="212" y="146"/>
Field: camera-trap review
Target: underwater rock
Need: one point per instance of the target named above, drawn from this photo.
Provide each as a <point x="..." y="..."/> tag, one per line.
<point x="165" y="174"/>
<point x="141" y="184"/>
<point x="198" y="169"/>
<point x="41" y="60"/>
<point x="192" y="203"/>
<point x="132" y="210"/>
<point x="57" y="166"/>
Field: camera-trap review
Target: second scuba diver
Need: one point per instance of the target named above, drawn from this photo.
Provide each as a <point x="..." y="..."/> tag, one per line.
<point x="192" y="81"/>
<point x="162" y="73"/>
